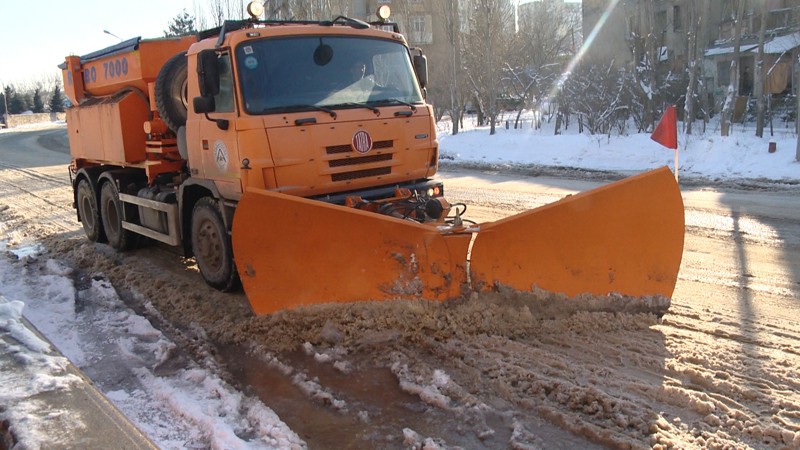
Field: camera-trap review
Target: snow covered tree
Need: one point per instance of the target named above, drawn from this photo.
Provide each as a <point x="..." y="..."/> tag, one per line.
<point x="600" y="97"/>
<point x="181" y="25"/>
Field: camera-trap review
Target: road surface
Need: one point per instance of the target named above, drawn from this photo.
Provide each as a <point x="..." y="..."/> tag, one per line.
<point x="721" y="368"/>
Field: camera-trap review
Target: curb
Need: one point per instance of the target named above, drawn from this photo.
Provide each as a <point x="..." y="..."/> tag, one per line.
<point x="79" y="416"/>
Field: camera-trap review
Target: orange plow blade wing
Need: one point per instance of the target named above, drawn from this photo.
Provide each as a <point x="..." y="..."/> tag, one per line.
<point x="292" y="251"/>
<point x="625" y="237"/>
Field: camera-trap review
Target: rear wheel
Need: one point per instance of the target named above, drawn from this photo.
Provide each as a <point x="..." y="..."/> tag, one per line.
<point x="88" y="212"/>
<point x="211" y="246"/>
<point x="111" y="213"/>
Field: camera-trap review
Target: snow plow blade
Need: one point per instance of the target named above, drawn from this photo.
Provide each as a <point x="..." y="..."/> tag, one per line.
<point x="291" y="251"/>
<point x="625" y="237"/>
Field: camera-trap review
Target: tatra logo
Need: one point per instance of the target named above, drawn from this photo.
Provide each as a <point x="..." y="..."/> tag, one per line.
<point x="362" y="142"/>
<point x="221" y="156"/>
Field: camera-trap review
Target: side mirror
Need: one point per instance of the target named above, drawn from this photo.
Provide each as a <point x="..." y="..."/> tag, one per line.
<point x="208" y="73"/>
<point x="204" y="104"/>
<point x="421" y="68"/>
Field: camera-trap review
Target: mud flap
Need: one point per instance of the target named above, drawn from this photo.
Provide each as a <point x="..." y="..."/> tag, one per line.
<point x="625" y="237"/>
<point x="292" y="251"/>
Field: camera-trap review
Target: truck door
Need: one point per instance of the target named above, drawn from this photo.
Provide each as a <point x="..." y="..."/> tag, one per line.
<point x="220" y="153"/>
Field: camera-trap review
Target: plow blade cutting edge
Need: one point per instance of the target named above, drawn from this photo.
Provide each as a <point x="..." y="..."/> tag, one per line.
<point x="625" y="237"/>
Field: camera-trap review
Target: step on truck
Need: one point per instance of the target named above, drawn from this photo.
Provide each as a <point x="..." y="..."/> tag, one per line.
<point x="297" y="158"/>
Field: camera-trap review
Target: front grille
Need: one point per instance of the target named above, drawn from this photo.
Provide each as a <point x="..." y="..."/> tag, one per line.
<point x="333" y="149"/>
<point x="359" y="160"/>
<point x="361" y="174"/>
<point x="345" y="148"/>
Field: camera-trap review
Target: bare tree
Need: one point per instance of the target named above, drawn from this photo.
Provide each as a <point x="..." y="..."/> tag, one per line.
<point x="452" y="22"/>
<point x="646" y="37"/>
<point x="797" y="123"/>
<point x="489" y="27"/>
<point x="758" y="75"/>
<point x="698" y="20"/>
<point x="218" y="11"/>
<point x="544" y="36"/>
<point x="278" y="9"/>
<point x="733" y="86"/>
<point x="320" y="9"/>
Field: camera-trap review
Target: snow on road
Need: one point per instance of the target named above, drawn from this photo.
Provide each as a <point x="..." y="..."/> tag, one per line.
<point x="177" y="405"/>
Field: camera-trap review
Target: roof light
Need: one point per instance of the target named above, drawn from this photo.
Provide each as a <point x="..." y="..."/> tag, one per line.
<point x="255" y="9"/>
<point x="383" y="12"/>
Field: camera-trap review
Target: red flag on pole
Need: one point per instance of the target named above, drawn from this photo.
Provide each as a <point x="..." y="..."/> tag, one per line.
<point x="666" y="132"/>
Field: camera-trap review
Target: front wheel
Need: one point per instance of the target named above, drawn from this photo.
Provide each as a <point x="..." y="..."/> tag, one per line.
<point x="211" y="246"/>
<point x="89" y="212"/>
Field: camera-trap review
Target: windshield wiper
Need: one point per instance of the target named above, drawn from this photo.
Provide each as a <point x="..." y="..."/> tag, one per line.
<point x="356" y="105"/>
<point x="395" y="101"/>
<point x="300" y="108"/>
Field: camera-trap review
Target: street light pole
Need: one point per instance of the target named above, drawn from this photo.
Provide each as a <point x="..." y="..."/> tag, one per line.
<point x="112" y="34"/>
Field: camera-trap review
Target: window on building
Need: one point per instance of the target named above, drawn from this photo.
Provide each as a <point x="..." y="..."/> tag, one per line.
<point x="630" y="23"/>
<point x="661" y="20"/>
<point x="677" y="19"/>
<point x="723" y="73"/>
<point x="417" y="24"/>
<point x="419" y="29"/>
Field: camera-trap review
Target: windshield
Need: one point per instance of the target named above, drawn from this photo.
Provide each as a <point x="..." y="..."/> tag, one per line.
<point x="301" y="73"/>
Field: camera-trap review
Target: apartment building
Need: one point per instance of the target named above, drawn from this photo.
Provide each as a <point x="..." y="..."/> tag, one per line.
<point x="618" y="30"/>
<point x="781" y="47"/>
<point x="615" y="31"/>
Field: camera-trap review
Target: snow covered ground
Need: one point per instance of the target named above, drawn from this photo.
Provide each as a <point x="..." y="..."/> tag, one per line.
<point x="709" y="156"/>
<point x="192" y="407"/>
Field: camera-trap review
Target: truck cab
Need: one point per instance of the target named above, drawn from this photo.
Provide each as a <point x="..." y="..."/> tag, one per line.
<point x="309" y="110"/>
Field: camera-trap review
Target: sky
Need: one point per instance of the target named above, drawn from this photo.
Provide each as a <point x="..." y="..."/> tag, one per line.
<point x="36" y="36"/>
<point x="195" y="408"/>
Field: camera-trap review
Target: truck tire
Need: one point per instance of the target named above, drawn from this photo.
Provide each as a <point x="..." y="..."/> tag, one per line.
<point x="171" y="92"/>
<point x="88" y="212"/>
<point x="211" y="245"/>
<point x="111" y="214"/>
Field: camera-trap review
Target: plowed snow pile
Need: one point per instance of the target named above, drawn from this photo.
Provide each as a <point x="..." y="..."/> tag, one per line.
<point x="626" y="380"/>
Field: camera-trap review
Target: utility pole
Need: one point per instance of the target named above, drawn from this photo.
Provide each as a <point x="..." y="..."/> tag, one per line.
<point x="5" y="103"/>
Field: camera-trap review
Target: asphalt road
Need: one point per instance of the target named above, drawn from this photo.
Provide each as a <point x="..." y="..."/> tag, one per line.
<point x="732" y="322"/>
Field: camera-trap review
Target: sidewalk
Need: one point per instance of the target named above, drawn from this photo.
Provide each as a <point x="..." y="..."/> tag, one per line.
<point x="47" y="402"/>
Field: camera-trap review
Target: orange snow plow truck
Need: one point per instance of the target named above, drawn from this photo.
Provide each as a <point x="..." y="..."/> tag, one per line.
<point x="297" y="158"/>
